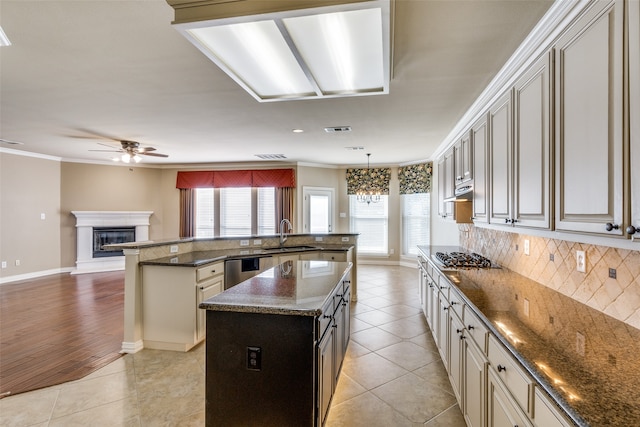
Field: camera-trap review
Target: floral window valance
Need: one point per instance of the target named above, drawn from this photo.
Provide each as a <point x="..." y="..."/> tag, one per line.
<point x="415" y="178"/>
<point x="373" y="180"/>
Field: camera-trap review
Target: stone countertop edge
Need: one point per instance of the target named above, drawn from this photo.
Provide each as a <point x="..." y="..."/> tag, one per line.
<point x="177" y="240"/>
<point x="226" y="254"/>
<point x="264" y="308"/>
<point x="529" y="367"/>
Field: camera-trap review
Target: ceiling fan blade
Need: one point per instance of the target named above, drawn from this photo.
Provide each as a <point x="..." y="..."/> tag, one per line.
<point x="92" y="134"/>
<point x="146" y="149"/>
<point x="153" y="154"/>
<point x="109" y="151"/>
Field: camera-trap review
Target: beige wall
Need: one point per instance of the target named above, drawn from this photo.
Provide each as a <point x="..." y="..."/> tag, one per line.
<point x="90" y="187"/>
<point x="29" y="187"/>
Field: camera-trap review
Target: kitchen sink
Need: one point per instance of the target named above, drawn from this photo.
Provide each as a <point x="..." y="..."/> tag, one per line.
<point x="296" y="248"/>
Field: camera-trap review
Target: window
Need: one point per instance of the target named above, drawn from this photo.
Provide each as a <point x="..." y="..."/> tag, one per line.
<point x="371" y="221"/>
<point x="241" y="211"/>
<point x="415" y="221"/>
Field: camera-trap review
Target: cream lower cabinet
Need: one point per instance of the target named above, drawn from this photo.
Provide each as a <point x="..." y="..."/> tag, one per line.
<point x="171" y="319"/>
<point x="502" y="410"/>
<point x="546" y="414"/>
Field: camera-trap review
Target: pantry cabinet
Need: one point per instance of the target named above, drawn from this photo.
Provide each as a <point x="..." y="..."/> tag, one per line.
<point x="589" y="122"/>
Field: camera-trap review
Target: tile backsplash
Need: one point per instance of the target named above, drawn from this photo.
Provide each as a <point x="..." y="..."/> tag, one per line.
<point x="552" y="263"/>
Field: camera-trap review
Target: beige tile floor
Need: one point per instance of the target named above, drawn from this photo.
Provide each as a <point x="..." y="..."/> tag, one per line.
<point x="392" y="375"/>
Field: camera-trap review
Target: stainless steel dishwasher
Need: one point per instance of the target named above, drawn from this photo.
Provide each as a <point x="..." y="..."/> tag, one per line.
<point x="239" y="270"/>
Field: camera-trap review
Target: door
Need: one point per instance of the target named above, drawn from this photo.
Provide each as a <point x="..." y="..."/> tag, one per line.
<point x="318" y="210"/>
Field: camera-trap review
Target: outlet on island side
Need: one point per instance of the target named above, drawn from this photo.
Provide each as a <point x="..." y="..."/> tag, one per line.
<point x="579" y="343"/>
<point x="581" y="261"/>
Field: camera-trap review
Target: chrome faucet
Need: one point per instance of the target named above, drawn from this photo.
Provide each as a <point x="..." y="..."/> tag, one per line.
<point x="283" y="238"/>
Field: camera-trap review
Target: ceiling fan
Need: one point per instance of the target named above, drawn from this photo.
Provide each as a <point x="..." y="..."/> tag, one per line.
<point x="131" y="150"/>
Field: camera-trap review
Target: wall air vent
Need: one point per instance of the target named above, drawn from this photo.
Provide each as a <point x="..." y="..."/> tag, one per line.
<point x="338" y="129"/>
<point x="271" y="156"/>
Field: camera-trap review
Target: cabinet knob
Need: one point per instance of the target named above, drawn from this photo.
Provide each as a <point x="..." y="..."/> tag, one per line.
<point x="470" y="327"/>
<point x="445" y="308"/>
<point x="454" y="302"/>
<point x="327" y="316"/>
<point x="459" y="331"/>
<point x="213" y="271"/>
<point x="506" y="220"/>
<point x="501" y="368"/>
<point x="443" y="287"/>
<point x="608" y="226"/>
<point x="632" y="230"/>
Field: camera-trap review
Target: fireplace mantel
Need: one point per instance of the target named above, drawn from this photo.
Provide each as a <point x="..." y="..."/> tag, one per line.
<point x="87" y="220"/>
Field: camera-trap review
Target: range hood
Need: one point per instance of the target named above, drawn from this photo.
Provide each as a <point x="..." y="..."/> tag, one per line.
<point x="462" y="193"/>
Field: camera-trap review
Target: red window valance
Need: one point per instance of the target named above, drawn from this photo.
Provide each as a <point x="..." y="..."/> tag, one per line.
<point x="280" y="178"/>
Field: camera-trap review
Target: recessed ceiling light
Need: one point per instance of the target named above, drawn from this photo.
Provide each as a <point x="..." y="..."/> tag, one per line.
<point x="271" y="156"/>
<point x="337" y="129"/>
<point x="298" y="130"/>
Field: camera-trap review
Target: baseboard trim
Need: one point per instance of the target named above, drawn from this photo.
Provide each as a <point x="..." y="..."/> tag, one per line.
<point x="34" y="275"/>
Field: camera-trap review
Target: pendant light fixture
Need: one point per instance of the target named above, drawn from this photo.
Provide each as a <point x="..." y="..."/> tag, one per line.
<point x="366" y="193"/>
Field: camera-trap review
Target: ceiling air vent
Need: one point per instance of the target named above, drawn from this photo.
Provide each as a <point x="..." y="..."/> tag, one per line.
<point x="354" y="148"/>
<point x="338" y="129"/>
<point x="271" y="156"/>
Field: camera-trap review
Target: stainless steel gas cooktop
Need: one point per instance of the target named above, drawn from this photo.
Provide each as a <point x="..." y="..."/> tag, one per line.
<point x="460" y="260"/>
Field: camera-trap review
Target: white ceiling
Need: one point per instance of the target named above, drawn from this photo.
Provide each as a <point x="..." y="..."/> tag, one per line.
<point x="78" y="69"/>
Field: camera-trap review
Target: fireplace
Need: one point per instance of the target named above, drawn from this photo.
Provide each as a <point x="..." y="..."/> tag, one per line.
<point x="110" y="235"/>
<point x="98" y="228"/>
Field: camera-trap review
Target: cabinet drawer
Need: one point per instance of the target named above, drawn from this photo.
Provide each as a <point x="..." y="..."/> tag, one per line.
<point x="510" y="373"/>
<point x="334" y="256"/>
<point x="456" y="302"/>
<point x="475" y="329"/>
<point x="209" y="270"/>
<point x="325" y="319"/>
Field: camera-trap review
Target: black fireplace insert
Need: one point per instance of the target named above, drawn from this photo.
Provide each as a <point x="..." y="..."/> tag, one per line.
<point x="111" y="235"/>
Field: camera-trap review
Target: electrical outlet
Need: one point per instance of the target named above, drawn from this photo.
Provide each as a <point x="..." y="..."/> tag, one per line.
<point x="244" y="243"/>
<point x="551" y="257"/>
<point x="345" y="239"/>
<point x="254" y="358"/>
<point x="173" y="249"/>
<point x="257" y="242"/>
<point x="579" y="343"/>
<point x="17" y="263"/>
<point x="526" y="307"/>
<point x="581" y="261"/>
<point x="4" y="264"/>
<point x="526" y="246"/>
<point x="43" y="216"/>
<point x="318" y="238"/>
<point x="343" y="214"/>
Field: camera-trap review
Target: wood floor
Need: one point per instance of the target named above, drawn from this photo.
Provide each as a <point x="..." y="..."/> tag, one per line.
<point x="58" y="328"/>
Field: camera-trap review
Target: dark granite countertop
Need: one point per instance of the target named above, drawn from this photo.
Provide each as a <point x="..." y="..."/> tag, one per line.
<point x="298" y="288"/>
<point x="201" y="258"/>
<point x="597" y="388"/>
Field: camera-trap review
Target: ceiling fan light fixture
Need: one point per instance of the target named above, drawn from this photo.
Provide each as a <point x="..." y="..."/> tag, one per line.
<point x="295" y="52"/>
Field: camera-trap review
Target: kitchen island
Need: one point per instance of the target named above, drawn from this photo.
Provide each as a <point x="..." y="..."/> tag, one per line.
<point x="275" y="345"/>
<point x="527" y="353"/>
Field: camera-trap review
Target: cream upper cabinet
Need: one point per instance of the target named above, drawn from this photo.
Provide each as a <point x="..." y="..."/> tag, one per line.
<point x="634" y="116"/>
<point x="589" y="122"/>
<point x="532" y="146"/>
<point x="479" y="140"/>
<point x="463" y="160"/>
<point x="500" y="155"/>
<point x="445" y="184"/>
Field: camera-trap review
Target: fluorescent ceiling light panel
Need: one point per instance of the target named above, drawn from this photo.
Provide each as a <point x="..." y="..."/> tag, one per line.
<point x="322" y="52"/>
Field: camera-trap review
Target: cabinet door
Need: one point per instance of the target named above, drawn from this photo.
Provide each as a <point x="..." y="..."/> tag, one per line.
<point x="474" y="390"/>
<point x="501" y="410"/>
<point x="325" y="373"/>
<point x="462" y="160"/>
<point x="531" y="146"/>
<point x="456" y="338"/>
<point x="206" y="290"/>
<point x="441" y="188"/>
<point x="500" y="155"/>
<point x="546" y="413"/>
<point x="479" y="139"/>
<point x="443" y="330"/>
<point x="634" y="114"/>
<point x="589" y="121"/>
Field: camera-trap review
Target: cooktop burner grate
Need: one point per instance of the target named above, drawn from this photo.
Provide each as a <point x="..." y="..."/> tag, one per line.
<point x="463" y="260"/>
